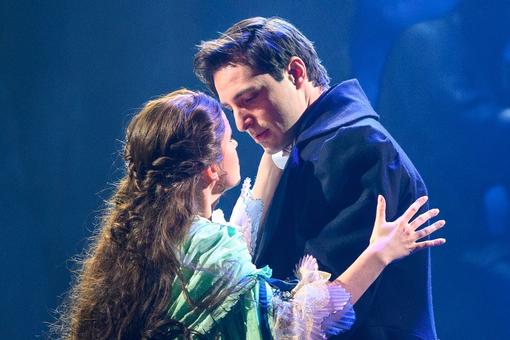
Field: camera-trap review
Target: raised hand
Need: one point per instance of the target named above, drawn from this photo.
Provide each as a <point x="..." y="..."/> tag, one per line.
<point x="397" y="239"/>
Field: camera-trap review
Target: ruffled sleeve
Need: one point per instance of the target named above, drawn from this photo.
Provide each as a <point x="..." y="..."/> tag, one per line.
<point x="215" y="264"/>
<point x="245" y="216"/>
<point x="315" y="309"/>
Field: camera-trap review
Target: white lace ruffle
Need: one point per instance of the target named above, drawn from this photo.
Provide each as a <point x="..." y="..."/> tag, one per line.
<point x="315" y="309"/>
<point x="246" y="215"/>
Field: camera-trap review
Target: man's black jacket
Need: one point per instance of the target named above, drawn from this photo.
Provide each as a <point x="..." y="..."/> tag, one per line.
<point x="325" y="206"/>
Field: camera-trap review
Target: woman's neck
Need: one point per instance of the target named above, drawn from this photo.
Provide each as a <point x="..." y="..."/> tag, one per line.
<point x="206" y="201"/>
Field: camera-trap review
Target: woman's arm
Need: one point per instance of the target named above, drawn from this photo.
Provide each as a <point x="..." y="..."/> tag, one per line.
<point x="320" y="307"/>
<point x="252" y="205"/>
<point x="268" y="176"/>
<point x="389" y="241"/>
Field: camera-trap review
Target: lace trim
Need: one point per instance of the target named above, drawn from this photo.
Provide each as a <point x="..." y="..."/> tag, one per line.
<point x="315" y="308"/>
<point x="246" y="215"/>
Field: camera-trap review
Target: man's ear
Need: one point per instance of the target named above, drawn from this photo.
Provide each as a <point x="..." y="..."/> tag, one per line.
<point x="297" y="71"/>
<point x="211" y="173"/>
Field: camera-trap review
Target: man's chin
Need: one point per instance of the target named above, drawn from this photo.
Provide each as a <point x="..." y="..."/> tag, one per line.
<point x="271" y="149"/>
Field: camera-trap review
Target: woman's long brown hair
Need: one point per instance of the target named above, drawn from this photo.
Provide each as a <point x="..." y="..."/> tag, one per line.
<point x="122" y="290"/>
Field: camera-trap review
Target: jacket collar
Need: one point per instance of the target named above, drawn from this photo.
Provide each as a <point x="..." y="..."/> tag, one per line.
<point x="341" y="105"/>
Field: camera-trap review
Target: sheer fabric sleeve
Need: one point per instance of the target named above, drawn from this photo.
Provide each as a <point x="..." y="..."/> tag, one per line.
<point x="315" y="309"/>
<point x="245" y="216"/>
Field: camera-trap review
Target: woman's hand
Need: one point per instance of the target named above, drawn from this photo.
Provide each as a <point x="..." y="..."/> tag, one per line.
<point x="397" y="239"/>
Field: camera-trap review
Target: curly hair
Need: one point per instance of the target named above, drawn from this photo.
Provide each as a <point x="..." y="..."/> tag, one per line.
<point x="122" y="289"/>
<point x="264" y="44"/>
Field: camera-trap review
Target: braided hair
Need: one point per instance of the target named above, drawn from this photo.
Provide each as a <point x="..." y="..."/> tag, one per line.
<point x="122" y="289"/>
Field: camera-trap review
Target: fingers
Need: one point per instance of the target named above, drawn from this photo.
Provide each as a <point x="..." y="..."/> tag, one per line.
<point x="430" y="229"/>
<point x="429" y="244"/>
<point x="380" y="215"/>
<point x="426" y="232"/>
<point x="420" y="220"/>
<point x="413" y="209"/>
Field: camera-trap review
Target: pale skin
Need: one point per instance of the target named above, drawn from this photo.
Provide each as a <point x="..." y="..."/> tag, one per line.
<point x="389" y="240"/>
<point x="263" y="107"/>
<point x="268" y="176"/>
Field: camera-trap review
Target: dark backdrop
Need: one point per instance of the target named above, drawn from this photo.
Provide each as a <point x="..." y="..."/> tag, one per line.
<point x="71" y="75"/>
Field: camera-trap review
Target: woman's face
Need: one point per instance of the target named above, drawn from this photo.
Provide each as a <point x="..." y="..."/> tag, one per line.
<point x="230" y="161"/>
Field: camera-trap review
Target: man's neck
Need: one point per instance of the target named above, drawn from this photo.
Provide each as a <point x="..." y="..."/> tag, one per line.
<point x="314" y="94"/>
<point x="311" y="94"/>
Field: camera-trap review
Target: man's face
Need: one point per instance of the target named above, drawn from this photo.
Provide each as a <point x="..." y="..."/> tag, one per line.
<point x="264" y="108"/>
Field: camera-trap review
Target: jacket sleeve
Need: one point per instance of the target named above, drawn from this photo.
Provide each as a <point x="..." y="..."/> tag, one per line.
<point x="352" y="167"/>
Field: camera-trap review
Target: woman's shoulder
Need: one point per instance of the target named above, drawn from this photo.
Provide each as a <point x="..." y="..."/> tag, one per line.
<point x="202" y="226"/>
<point x="218" y="247"/>
<point x="207" y="231"/>
<point x="214" y="243"/>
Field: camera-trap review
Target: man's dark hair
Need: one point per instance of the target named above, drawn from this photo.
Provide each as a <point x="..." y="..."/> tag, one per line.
<point x="264" y="44"/>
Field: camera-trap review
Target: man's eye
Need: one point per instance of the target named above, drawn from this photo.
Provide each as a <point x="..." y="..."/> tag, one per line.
<point x="250" y="97"/>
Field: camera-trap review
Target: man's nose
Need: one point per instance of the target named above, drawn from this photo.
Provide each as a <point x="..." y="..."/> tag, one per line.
<point x="243" y="120"/>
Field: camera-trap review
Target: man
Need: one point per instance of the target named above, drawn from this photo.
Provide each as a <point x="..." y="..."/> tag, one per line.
<point x="269" y="75"/>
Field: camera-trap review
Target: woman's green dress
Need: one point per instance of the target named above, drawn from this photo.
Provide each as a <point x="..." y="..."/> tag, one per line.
<point x="221" y="294"/>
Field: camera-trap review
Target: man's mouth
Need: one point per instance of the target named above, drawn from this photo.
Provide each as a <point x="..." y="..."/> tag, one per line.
<point x="262" y="135"/>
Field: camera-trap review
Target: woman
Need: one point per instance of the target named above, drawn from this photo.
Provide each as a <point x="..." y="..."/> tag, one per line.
<point x="160" y="268"/>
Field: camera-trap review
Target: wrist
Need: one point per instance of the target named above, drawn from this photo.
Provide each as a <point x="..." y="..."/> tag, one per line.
<point x="376" y="253"/>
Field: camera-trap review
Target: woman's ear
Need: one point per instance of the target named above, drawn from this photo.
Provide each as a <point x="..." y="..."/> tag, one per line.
<point x="211" y="174"/>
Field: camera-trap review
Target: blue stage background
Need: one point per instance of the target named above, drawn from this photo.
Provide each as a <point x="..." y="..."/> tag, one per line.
<point x="72" y="73"/>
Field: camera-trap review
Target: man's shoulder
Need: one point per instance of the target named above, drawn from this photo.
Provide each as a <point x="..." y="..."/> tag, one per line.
<point x="359" y="146"/>
<point x="341" y="106"/>
<point x="364" y="134"/>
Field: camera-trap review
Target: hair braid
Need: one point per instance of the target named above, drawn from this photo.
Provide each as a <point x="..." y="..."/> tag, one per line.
<point x="122" y="289"/>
